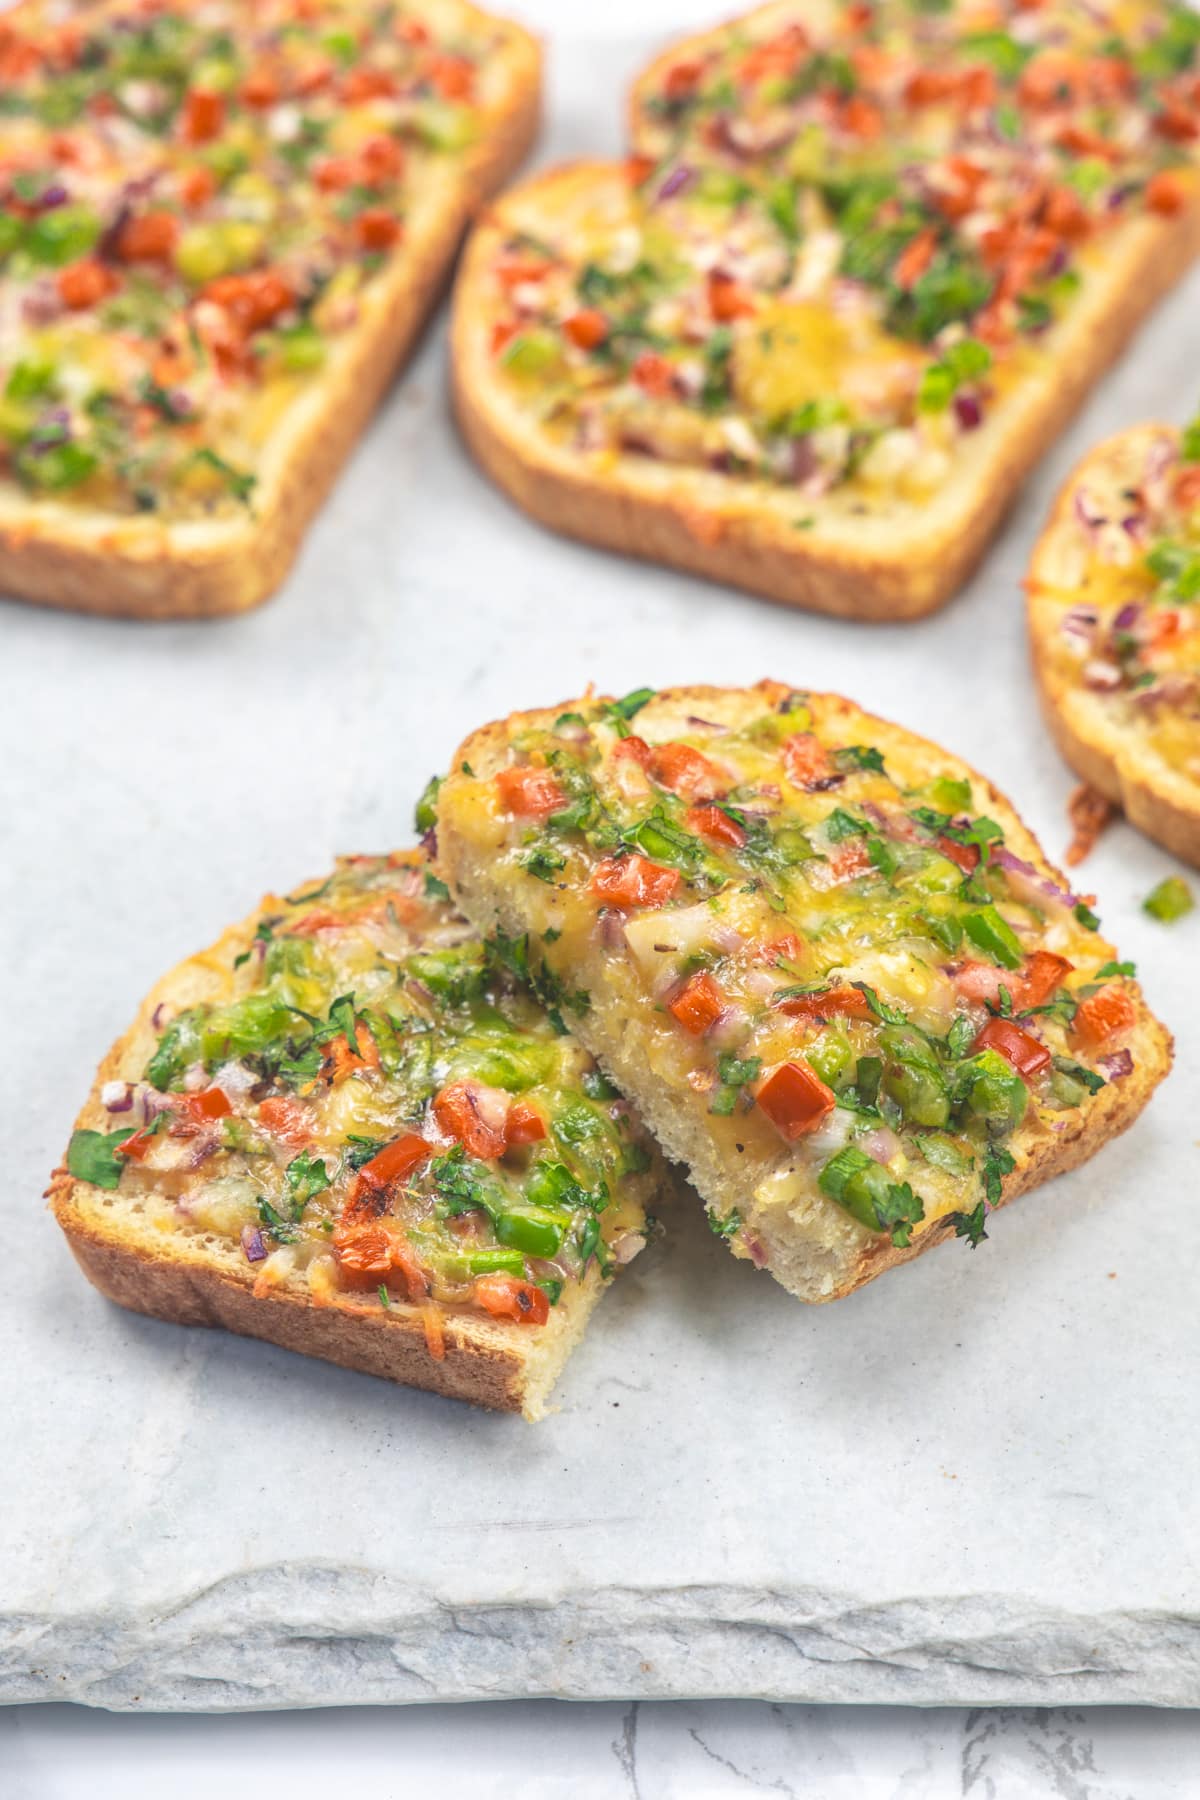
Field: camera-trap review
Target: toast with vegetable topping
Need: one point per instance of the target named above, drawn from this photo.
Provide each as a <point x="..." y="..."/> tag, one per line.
<point x="221" y="227"/>
<point x="824" y="959"/>
<point x="1114" y="619"/>
<point x="862" y="265"/>
<point x="348" y="1128"/>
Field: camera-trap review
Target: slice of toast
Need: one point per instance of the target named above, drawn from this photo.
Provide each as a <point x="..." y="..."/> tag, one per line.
<point x="1115" y="634"/>
<point x="347" y="1130"/>
<point x="811" y="337"/>
<point x="823" y="957"/>
<point x="261" y="205"/>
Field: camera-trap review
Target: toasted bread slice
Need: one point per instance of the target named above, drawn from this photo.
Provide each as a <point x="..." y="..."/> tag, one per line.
<point x="715" y="358"/>
<point x="1116" y="642"/>
<point x="823" y="957"/>
<point x="275" y="380"/>
<point x="440" y="1204"/>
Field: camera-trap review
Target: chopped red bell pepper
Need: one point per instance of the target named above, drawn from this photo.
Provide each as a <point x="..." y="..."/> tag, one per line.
<point x="713" y="823"/>
<point x="587" y="329"/>
<point x="524" y="1124"/>
<point x="628" y="881"/>
<point x="727" y="298"/>
<point x="213" y="1103"/>
<point x="965" y="855"/>
<point x="795" y="1099"/>
<point x="203" y="115"/>
<point x="396" y="1161"/>
<point x="805" y="760"/>
<point x="530" y="793"/>
<point x="1042" y="975"/>
<point x="1104" y="1015"/>
<point x="686" y="772"/>
<point x="1027" y="1054"/>
<point x="507" y="1297"/>
<point x="698" y="1004"/>
<point x="456" y="1110"/>
<point x="831" y="1002"/>
<point x="287" y="1119"/>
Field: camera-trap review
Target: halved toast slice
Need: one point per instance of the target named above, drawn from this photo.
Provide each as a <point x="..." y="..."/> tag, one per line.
<point x="823" y="957"/>
<point x="347" y="1129"/>
<point x="221" y="229"/>
<point x="859" y="271"/>
<point x="1115" y="628"/>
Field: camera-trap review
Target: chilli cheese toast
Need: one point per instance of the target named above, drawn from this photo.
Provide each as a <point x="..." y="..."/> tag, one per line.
<point x="864" y="262"/>
<point x="221" y="226"/>
<point x="825" y="960"/>
<point x="1114" y="618"/>
<point x="349" y="1129"/>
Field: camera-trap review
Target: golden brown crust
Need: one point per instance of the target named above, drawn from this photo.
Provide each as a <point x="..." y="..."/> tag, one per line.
<point x="59" y="555"/>
<point x="897" y="564"/>
<point x="170" y="1285"/>
<point x="1040" y="1152"/>
<point x="188" y="1280"/>
<point x="1157" y="799"/>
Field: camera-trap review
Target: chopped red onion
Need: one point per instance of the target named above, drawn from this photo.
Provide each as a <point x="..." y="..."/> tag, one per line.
<point x="968" y="411"/>
<point x="117" y="1096"/>
<point x="1087" y="511"/>
<point x="156" y="1017"/>
<point x="252" y="1243"/>
<point x="754" y="1248"/>
<point x="880" y="1145"/>
<point x="1023" y="876"/>
<point x="1127" y="617"/>
<point x="1101" y="677"/>
<point x="1079" y="622"/>
<point x="235" y="1079"/>
<point x="55" y="195"/>
<point x="195" y="1077"/>
<point x="676" y="182"/>
<point x="610" y="929"/>
<point x="1160" y="459"/>
<point x="42" y="304"/>
<point x="1117" y="1066"/>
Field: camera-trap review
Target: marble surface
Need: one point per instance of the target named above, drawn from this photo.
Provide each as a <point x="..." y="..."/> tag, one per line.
<point x="544" y="1751"/>
<point x="974" y="1482"/>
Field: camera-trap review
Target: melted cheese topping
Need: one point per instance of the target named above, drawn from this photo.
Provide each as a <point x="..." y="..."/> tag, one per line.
<point x="815" y="946"/>
<point x="844" y="237"/>
<point x="195" y="204"/>
<point x="376" y="1100"/>
<point x="1125" y="597"/>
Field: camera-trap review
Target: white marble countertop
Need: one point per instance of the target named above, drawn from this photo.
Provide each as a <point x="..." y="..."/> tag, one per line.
<point x="547" y="1750"/>
<point x="649" y="1750"/>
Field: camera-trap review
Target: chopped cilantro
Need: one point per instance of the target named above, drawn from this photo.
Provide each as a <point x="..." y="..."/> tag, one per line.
<point x="91" y="1156"/>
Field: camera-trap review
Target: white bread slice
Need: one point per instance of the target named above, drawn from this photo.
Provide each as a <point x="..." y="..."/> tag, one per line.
<point x="176" y="1270"/>
<point x="814" y="1248"/>
<point x="63" y="554"/>
<point x="1096" y="737"/>
<point x="851" y="553"/>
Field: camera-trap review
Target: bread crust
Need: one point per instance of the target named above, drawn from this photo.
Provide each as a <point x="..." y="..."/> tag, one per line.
<point x="1153" y="796"/>
<point x="1039" y="1154"/>
<point x="856" y="561"/>
<point x="186" y="1279"/>
<point x="58" y="554"/>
